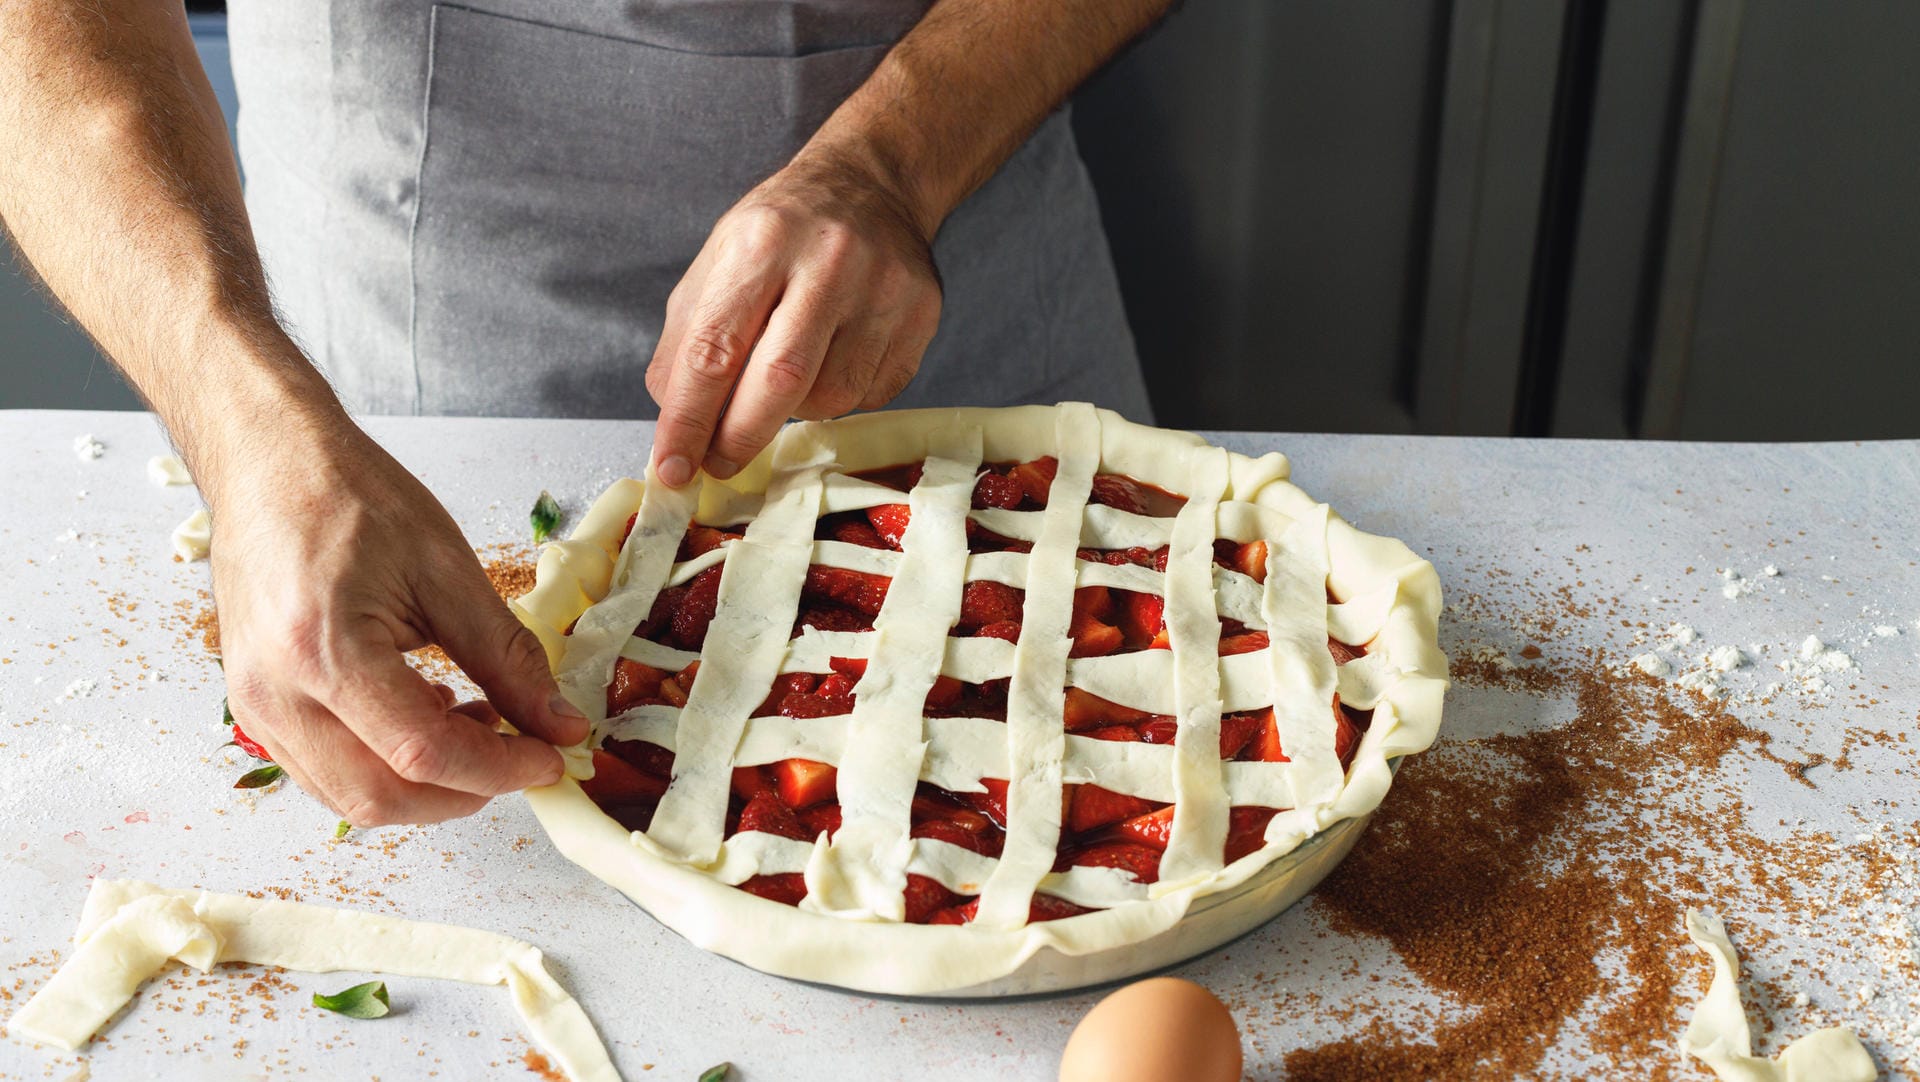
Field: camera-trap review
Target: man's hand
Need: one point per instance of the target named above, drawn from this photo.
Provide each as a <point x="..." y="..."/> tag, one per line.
<point x="329" y="560"/>
<point x="815" y="295"/>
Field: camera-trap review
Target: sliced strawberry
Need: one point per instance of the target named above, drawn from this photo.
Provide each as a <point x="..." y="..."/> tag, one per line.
<point x="993" y="802"/>
<point x="646" y="757"/>
<point x="1246" y="642"/>
<point x="1342" y="653"/>
<point x="633" y="684"/>
<point x="1246" y="830"/>
<point x="981" y="539"/>
<point x="1125" y="734"/>
<point x="1142" y="616"/>
<point x="1036" y="477"/>
<point x="766" y="814"/>
<point x="960" y="914"/>
<point x="889" y="521"/>
<point x="859" y="533"/>
<point x="1250" y="559"/>
<point x="1091" y="638"/>
<point x="1085" y="710"/>
<point x="821" y="819"/>
<point x="627" y="530"/>
<point x="615" y="781"/>
<point x="831" y="618"/>
<point x="1091" y="807"/>
<point x="676" y="688"/>
<point x="838" y="687"/>
<point x="1265" y="745"/>
<point x="944" y="693"/>
<point x="1123" y="493"/>
<point x="694" y="609"/>
<point x="924" y="897"/>
<point x="1005" y="630"/>
<point x="998" y="490"/>
<point x="700" y="540"/>
<point x="1092" y="601"/>
<point x="985" y="842"/>
<point x="803" y="781"/>
<point x="1149" y="829"/>
<point x="1236" y="730"/>
<point x="984" y="602"/>
<point x="855" y="667"/>
<point x="784" y="685"/>
<point x="1141" y="861"/>
<point x="249" y="744"/>
<point x="786" y="888"/>
<point x="750" y="781"/>
<point x="803" y="704"/>
<point x="855" y="590"/>
<point x="1160" y="730"/>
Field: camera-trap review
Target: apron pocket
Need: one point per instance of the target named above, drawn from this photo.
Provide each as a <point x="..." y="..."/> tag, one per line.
<point x="566" y="180"/>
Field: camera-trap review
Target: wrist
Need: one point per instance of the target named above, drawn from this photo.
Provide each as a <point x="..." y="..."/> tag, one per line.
<point x="267" y="409"/>
<point x="873" y="165"/>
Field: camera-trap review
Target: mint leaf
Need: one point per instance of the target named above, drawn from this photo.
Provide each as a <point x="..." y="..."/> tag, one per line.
<point x="257" y="779"/>
<point x="367" y="1000"/>
<point x="545" y="516"/>
<point x="341" y="830"/>
<point x="719" y="1072"/>
<point x="226" y="712"/>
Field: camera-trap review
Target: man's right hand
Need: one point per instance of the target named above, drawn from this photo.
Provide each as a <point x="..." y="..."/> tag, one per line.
<point x="329" y="561"/>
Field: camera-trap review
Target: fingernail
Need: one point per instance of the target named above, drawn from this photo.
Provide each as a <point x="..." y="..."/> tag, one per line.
<point x="675" y="470"/>
<point x="559" y="705"/>
<point x="722" y="468"/>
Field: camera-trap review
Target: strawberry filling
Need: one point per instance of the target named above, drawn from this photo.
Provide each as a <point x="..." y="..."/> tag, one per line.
<point x="797" y="798"/>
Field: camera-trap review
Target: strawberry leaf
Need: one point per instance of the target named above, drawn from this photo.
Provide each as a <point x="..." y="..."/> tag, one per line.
<point x="719" y="1072"/>
<point x="367" y="1000"/>
<point x="545" y="516"/>
<point x="258" y="779"/>
<point x="226" y="712"/>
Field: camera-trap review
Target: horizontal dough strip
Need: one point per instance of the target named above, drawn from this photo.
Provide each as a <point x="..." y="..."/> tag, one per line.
<point x="1140" y="680"/>
<point x="965" y="750"/>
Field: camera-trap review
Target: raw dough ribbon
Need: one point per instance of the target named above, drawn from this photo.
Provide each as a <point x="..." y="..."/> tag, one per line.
<point x="131" y="930"/>
<point x="1718" y="1035"/>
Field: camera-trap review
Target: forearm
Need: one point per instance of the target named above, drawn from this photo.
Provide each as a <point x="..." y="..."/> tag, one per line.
<point x="960" y="93"/>
<point x="118" y="185"/>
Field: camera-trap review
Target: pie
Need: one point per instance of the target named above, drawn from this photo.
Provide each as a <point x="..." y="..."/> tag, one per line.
<point x="921" y="695"/>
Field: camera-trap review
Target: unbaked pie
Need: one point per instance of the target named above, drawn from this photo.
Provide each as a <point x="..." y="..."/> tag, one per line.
<point x="921" y="694"/>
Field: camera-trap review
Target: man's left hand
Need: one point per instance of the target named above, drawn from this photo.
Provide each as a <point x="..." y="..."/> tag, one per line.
<point x="814" y="296"/>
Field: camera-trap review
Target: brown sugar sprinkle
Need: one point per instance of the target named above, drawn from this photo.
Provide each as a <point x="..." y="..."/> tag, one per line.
<point x="539" y="1065"/>
<point x="1537" y="880"/>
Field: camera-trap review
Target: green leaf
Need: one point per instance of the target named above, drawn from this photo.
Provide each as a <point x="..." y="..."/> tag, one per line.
<point x="719" y="1072"/>
<point x="546" y="515"/>
<point x="341" y="830"/>
<point x="226" y="712"/>
<point x="257" y="779"/>
<point x="367" y="1000"/>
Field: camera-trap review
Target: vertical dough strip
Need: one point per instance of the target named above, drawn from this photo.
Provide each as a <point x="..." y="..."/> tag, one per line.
<point x="1036" y="698"/>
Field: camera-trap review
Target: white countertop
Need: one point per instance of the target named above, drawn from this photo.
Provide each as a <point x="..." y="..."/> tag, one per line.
<point x="123" y="780"/>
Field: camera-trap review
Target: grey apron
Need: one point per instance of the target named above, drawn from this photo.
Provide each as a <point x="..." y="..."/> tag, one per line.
<point x="481" y="208"/>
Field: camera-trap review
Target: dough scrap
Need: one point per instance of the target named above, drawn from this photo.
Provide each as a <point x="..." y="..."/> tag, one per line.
<point x="1718" y="1035"/>
<point x="193" y="539"/>
<point x="130" y="930"/>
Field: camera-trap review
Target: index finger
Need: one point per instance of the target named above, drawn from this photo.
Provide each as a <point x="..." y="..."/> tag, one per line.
<point x="707" y="361"/>
<point x="396" y="713"/>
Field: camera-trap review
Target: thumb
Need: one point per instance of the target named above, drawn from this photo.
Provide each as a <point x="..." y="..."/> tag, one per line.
<point x="500" y="654"/>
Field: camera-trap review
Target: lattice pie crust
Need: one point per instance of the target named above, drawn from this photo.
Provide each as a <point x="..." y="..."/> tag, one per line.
<point x="592" y="592"/>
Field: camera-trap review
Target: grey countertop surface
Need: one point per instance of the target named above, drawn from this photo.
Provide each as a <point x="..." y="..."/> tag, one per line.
<point x="1590" y="553"/>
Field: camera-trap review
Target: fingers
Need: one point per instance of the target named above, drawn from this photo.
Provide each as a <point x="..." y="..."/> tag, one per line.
<point x="398" y="716"/>
<point x="498" y="653"/>
<point x="324" y="758"/>
<point x="708" y="358"/>
<point x="779" y="376"/>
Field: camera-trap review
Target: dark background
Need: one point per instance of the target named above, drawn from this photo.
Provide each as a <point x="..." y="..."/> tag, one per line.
<point x="1663" y="219"/>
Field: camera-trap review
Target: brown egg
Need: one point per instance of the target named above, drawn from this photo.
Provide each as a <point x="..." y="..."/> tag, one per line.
<point x="1160" y="1030"/>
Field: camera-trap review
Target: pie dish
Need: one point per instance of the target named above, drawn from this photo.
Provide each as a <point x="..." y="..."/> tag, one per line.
<point x="948" y="702"/>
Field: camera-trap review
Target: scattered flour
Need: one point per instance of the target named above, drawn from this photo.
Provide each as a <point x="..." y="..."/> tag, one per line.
<point x="1732" y="585"/>
<point x="1725" y="658"/>
<point x="79" y="689"/>
<point x="1653" y="665"/>
<point x="87" y="448"/>
<point x="1886" y="631"/>
<point x="1770" y="571"/>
